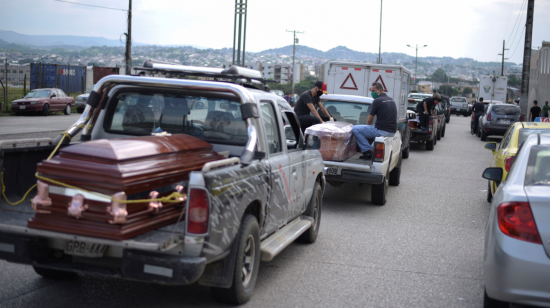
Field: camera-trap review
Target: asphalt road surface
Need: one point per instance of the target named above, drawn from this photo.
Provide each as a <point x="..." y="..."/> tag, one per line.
<point x="424" y="248"/>
<point x="35" y="126"/>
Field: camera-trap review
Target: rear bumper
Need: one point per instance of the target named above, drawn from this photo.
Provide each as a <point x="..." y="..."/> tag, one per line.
<point x="462" y="111"/>
<point x="28" y="108"/>
<point x="135" y="264"/>
<point x="491" y="130"/>
<point x="420" y="135"/>
<point x="351" y="176"/>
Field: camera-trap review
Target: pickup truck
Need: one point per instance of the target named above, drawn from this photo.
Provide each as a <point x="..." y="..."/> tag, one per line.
<point x="266" y="194"/>
<point x="428" y="136"/>
<point x="383" y="169"/>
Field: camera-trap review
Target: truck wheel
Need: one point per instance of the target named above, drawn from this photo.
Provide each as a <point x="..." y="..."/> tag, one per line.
<point x="53" y="274"/>
<point x="438" y="135"/>
<point x="45" y="110"/>
<point x="435" y="139"/>
<point x="247" y="264"/>
<point x="67" y="110"/>
<point x="489" y="194"/>
<point x="493" y="303"/>
<point x="395" y="174"/>
<point x="483" y="136"/>
<point x="406" y="151"/>
<point x="313" y="210"/>
<point x="378" y="191"/>
<point x="443" y="131"/>
<point x="447" y="120"/>
<point x="430" y="145"/>
<point x="478" y="132"/>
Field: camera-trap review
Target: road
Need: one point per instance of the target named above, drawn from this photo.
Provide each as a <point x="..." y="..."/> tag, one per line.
<point x="35" y="126"/>
<point x="424" y="248"/>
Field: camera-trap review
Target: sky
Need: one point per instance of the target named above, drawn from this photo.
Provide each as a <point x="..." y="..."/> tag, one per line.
<point x="465" y="28"/>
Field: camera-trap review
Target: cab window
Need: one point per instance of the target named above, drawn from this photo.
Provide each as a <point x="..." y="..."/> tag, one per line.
<point x="271" y="127"/>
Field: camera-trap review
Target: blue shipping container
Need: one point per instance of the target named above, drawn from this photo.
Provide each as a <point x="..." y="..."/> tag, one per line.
<point x="70" y="79"/>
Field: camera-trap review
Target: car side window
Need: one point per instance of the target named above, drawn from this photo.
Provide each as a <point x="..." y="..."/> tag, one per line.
<point x="506" y="140"/>
<point x="271" y="127"/>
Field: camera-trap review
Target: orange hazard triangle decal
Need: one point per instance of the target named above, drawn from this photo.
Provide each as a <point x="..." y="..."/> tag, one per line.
<point x="349" y="88"/>
<point x="382" y="82"/>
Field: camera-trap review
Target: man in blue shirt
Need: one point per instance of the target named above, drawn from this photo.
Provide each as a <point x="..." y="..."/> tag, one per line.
<point x="385" y="110"/>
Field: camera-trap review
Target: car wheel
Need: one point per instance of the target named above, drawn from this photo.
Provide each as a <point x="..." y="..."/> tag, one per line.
<point x="247" y="264"/>
<point x="378" y="191"/>
<point x="53" y="274"/>
<point x="443" y="131"/>
<point x="448" y="119"/>
<point x="479" y="132"/>
<point x="406" y="151"/>
<point x="435" y="139"/>
<point x="46" y="109"/>
<point x="313" y="210"/>
<point x="493" y="303"/>
<point x="395" y="174"/>
<point x="430" y="145"/>
<point x="67" y="110"/>
<point x="80" y="110"/>
<point x="483" y="136"/>
<point x="438" y="135"/>
<point x="489" y="194"/>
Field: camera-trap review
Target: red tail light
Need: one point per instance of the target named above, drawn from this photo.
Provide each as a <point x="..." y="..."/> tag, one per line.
<point x="508" y="163"/>
<point x="198" y="213"/>
<point x="489" y="117"/>
<point x="521" y="118"/>
<point x="515" y="219"/>
<point x="431" y="126"/>
<point x="379" y="150"/>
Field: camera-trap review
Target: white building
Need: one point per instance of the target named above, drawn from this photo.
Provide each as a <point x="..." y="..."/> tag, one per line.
<point x="539" y="76"/>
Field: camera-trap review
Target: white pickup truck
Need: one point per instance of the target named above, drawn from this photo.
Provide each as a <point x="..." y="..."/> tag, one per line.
<point x="385" y="166"/>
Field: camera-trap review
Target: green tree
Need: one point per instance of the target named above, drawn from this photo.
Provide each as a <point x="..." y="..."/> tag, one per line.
<point x="467" y="90"/>
<point x="439" y="75"/>
<point x="446" y="90"/>
<point x="455" y="92"/>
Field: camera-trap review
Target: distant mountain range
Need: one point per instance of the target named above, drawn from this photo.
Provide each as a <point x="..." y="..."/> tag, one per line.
<point x="63" y="41"/>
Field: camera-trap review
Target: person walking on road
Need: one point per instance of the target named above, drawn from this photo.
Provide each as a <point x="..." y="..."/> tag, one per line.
<point x="477" y="109"/>
<point x="425" y="109"/>
<point x="383" y="107"/>
<point x="534" y="112"/>
<point x="545" y="110"/>
<point x="306" y="104"/>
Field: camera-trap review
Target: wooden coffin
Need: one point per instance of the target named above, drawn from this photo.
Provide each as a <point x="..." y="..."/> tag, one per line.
<point x="139" y="168"/>
<point x="337" y="141"/>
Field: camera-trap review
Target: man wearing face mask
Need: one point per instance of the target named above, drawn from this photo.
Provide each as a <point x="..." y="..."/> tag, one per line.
<point x="306" y="104"/>
<point x="425" y="109"/>
<point x="383" y="107"/>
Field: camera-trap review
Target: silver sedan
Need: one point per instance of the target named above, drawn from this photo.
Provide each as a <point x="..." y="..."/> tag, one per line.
<point x="517" y="238"/>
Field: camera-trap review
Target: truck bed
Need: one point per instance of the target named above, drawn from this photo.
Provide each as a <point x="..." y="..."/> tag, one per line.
<point x="14" y="220"/>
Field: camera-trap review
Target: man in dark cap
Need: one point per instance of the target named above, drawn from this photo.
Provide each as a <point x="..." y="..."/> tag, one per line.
<point x="425" y="109"/>
<point x="478" y="110"/>
<point x="306" y="104"/>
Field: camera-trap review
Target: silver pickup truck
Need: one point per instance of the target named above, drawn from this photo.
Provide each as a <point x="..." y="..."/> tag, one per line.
<point x="383" y="169"/>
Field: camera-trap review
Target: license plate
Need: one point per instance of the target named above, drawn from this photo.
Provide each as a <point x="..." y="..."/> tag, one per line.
<point x="84" y="249"/>
<point x="22" y="107"/>
<point x="332" y="171"/>
<point x="504" y="121"/>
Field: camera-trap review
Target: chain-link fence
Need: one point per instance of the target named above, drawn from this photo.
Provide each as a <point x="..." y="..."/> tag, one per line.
<point x="14" y="84"/>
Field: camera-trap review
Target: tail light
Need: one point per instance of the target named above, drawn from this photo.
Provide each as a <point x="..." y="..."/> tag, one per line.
<point x="521" y="118"/>
<point x="508" y="163"/>
<point x="438" y="119"/>
<point x="431" y="126"/>
<point x="515" y="219"/>
<point x="489" y="117"/>
<point x="379" y="150"/>
<point x="198" y="212"/>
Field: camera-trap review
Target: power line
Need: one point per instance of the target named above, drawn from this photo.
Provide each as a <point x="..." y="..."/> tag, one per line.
<point x="517" y="30"/>
<point x="518" y="43"/>
<point x="103" y="7"/>
<point x="517" y="19"/>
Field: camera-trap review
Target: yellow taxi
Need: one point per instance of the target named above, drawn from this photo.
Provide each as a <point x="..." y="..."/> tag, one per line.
<point x="503" y="154"/>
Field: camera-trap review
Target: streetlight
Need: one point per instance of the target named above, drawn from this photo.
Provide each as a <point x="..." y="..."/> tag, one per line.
<point x="416" y="65"/>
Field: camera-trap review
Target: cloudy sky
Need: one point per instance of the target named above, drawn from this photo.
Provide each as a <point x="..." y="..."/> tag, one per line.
<point x="465" y="28"/>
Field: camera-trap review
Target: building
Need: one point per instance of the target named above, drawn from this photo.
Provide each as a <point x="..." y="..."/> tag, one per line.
<point x="539" y="76"/>
<point x="15" y="75"/>
<point x="425" y="87"/>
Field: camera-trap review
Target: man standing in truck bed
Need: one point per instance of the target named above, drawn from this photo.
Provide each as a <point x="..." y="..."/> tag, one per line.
<point x="307" y="103"/>
<point x="383" y="107"/>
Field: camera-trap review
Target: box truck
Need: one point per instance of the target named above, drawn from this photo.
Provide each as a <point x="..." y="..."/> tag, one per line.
<point x="493" y="88"/>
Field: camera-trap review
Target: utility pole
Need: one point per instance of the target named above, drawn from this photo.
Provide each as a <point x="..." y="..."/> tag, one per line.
<point x="241" y="8"/>
<point x="128" y="54"/>
<point x="523" y="104"/>
<point x="380" y="40"/>
<point x="294" y="55"/>
<point x="416" y="65"/>
<point x="502" y="54"/>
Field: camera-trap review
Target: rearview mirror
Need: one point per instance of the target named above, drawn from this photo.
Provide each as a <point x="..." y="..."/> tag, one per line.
<point x="312" y="142"/>
<point x="493" y="174"/>
<point x="491" y="146"/>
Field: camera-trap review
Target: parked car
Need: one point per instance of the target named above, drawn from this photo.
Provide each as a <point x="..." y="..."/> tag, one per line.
<point x="441" y="121"/>
<point x="504" y="153"/>
<point x="43" y="101"/>
<point x="80" y="101"/>
<point x="446" y="106"/>
<point x="497" y="118"/>
<point x="459" y="105"/>
<point x="278" y="92"/>
<point x="516" y="265"/>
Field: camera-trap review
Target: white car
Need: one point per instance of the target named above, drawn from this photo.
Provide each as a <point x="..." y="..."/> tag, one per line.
<point x="80" y="101"/>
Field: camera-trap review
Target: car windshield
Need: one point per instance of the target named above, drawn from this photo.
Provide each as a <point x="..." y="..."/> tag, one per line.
<point x="538" y="167"/>
<point x="458" y="100"/>
<point x="505" y="110"/>
<point x="38" y="94"/>
<point x="215" y="120"/>
<point x="354" y="113"/>
<point x="420" y="96"/>
<point x="525" y="132"/>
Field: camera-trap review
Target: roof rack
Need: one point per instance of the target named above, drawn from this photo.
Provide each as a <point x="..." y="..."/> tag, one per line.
<point x="236" y="74"/>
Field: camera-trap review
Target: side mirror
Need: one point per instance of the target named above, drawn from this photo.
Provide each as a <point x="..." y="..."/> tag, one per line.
<point x="491" y="146"/>
<point x="493" y="174"/>
<point x="312" y="142"/>
<point x="53" y="95"/>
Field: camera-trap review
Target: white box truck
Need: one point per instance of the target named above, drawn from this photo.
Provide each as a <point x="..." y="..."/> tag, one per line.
<point x="493" y="88"/>
<point x="349" y="78"/>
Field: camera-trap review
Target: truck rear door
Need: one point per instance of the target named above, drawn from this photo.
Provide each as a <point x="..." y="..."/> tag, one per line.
<point x="348" y="79"/>
<point x="386" y="77"/>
